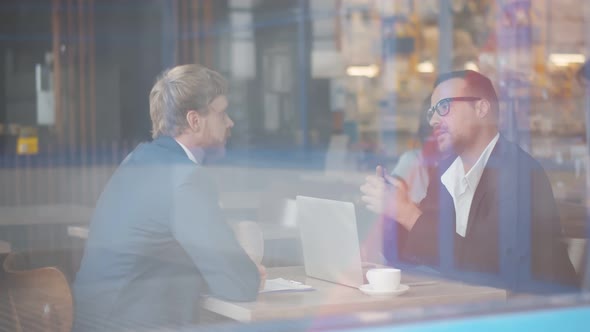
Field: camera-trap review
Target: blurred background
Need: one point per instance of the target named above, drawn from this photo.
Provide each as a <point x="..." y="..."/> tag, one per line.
<point x="321" y="91"/>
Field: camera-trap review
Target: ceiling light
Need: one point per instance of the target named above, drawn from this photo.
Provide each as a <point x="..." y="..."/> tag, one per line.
<point x="565" y="59"/>
<point x="363" y="71"/>
<point x="425" y="67"/>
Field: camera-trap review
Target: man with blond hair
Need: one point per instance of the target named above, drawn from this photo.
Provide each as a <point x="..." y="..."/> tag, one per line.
<point x="158" y="240"/>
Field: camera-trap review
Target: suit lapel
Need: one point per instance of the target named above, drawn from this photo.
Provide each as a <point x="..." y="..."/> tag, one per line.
<point x="488" y="182"/>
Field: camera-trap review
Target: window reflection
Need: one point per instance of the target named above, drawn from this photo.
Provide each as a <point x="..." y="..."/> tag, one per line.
<point x="161" y="162"/>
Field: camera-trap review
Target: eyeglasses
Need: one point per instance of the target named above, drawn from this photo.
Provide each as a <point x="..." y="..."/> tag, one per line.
<point x="443" y="107"/>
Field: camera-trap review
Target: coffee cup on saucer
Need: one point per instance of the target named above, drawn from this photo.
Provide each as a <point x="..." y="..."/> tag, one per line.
<point x="384" y="279"/>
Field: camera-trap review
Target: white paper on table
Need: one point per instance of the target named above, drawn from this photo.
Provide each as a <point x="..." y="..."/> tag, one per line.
<point x="284" y="285"/>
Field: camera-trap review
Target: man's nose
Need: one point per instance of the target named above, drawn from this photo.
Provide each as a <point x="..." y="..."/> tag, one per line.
<point x="434" y="120"/>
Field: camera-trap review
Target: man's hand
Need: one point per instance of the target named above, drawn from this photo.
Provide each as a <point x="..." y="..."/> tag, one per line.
<point x="388" y="196"/>
<point x="263" y="275"/>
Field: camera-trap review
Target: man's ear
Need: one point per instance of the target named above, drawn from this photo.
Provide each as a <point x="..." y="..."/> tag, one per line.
<point x="483" y="108"/>
<point x="194" y="119"/>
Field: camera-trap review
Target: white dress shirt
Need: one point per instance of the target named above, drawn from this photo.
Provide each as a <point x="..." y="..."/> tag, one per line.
<point x="462" y="186"/>
<point x="190" y="155"/>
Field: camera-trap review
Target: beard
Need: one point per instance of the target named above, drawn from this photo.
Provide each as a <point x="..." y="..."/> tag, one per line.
<point x="445" y="142"/>
<point x="215" y="151"/>
<point x="215" y="144"/>
<point x="450" y="145"/>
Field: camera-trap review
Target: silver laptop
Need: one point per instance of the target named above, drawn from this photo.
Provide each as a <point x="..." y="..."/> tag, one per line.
<point x="329" y="239"/>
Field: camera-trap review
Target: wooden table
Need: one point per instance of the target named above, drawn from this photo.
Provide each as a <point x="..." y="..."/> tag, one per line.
<point x="80" y="232"/>
<point x="41" y="228"/>
<point x="49" y="214"/>
<point x="330" y="298"/>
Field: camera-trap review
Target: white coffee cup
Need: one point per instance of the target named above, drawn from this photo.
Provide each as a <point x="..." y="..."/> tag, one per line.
<point x="384" y="279"/>
<point x="249" y="235"/>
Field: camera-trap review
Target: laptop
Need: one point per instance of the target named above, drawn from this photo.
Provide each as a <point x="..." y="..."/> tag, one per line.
<point x="329" y="239"/>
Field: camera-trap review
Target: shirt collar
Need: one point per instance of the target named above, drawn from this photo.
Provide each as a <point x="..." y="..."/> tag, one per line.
<point x="474" y="174"/>
<point x="197" y="159"/>
<point x="456" y="172"/>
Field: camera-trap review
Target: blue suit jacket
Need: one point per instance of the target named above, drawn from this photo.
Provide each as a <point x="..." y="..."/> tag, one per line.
<point x="513" y="233"/>
<point x="157" y="242"/>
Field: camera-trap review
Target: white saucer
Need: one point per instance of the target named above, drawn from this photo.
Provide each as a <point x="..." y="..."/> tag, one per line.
<point x="367" y="289"/>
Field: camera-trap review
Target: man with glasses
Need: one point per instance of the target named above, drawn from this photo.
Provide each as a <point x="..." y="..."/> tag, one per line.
<point x="489" y="191"/>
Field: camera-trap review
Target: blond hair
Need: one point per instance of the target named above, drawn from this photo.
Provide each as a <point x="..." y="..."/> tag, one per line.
<point x="180" y="90"/>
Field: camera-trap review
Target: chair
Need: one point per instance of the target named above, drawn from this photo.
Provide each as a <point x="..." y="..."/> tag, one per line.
<point x="7" y="313"/>
<point x="5" y="247"/>
<point x="41" y="296"/>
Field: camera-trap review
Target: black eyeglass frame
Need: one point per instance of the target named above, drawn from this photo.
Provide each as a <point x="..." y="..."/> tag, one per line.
<point x="446" y="101"/>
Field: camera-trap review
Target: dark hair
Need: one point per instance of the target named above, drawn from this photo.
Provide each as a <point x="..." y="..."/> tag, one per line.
<point x="478" y="85"/>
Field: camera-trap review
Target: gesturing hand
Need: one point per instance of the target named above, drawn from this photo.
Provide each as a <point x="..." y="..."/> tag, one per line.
<point x="388" y="196"/>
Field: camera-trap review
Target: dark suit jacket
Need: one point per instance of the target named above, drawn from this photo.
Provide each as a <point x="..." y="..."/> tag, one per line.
<point x="513" y="228"/>
<point x="157" y="242"/>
